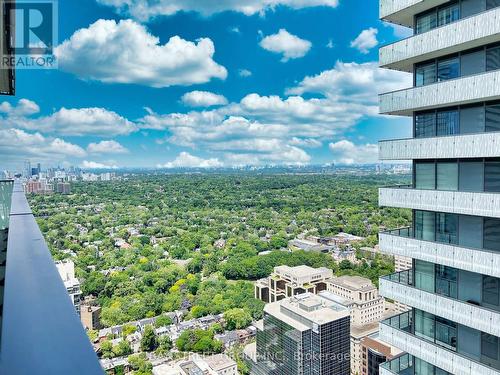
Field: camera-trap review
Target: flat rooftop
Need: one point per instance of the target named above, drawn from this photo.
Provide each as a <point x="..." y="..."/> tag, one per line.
<point x="302" y="271"/>
<point x="219" y="362"/>
<point x="312" y="309"/>
<point x="354" y="283"/>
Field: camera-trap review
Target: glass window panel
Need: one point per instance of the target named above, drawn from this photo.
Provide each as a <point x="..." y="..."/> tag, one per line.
<point x="448" y="69"/>
<point x="491" y="288"/>
<point x="470" y="342"/>
<point x="493" y="58"/>
<point x="446" y="281"/>
<point x="446" y="228"/>
<point x="447" y="122"/>
<point x="489" y="345"/>
<point x="447" y="176"/>
<point x="425" y="125"/>
<point x="424" y="276"/>
<point x="425" y="74"/>
<point x="424" y="324"/>
<point x="469" y="285"/>
<point x="472" y="120"/>
<point x="425" y="175"/>
<point x="426" y="22"/>
<point x="491" y="239"/>
<point x="492" y="118"/>
<point x="492" y="176"/>
<point x="470" y="229"/>
<point x="448" y="14"/>
<point x="472" y="63"/>
<point x="446" y="332"/>
<point x="424" y="225"/>
<point x="492" y="4"/>
<point x="471" y="176"/>
<point x="422" y="367"/>
<point x="470" y="7"/>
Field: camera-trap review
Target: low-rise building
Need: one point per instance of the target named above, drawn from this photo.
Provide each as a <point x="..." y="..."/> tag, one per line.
<point x="288" y="281"/>
<point x="374" y="352"/>
<point x="218" y="364"/>
<point x="308" y="245"/>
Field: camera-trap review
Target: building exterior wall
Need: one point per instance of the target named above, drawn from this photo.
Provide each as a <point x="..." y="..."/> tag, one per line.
<point x="453" y="286"/>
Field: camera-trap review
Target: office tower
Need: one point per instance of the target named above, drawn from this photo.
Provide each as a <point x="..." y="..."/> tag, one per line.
<point x="453" y="326"/>
<point x="302" y="335"/>
<point x="27" y="169"/>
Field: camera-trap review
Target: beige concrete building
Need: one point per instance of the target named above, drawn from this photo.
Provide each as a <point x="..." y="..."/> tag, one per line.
<point x="90" y="316"/>
<point x="289" y="281"/>
<point x="361" y="296"/>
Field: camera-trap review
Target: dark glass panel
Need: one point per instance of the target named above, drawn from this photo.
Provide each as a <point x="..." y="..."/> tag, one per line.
<point x="425" y="125"/>
<point x="448" y="69"/>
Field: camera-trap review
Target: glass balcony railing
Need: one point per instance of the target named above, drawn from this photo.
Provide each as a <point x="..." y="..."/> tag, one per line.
<point x="441" y="335"/>
<point x="407" y="364"/>
<point x="5" y="200"/>
<point x="443" y="238"/>
<point x="40" y="331"/>
<point x="402" y="365"/>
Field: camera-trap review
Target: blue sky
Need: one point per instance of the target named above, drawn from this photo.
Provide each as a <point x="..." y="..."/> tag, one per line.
<point x="180" y="83"/>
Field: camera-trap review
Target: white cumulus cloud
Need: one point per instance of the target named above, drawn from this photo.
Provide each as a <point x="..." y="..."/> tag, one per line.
<point x="86" y="164"/>
<point x="244" y="73"/>
<point x="353" y="82"/>
<point x="71" y="122"/>
<point x="146" y="9"/>
<point x="203" y="99"/>
<point x="366" y="40"/>
<point x="289" y="45"/>
<point x="18" y="145"/>
<point x="125" y="52"/>
<point x="186" y="160"/>
<point x="106" y="147"/>
<point x="346" y="152"/>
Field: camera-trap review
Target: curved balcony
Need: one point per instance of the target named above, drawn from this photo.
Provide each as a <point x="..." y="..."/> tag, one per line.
<point x="401" y="12"/>
<point x="474" y="31"/>
<point x="400" y="287"/>
<point x="398" y="331"/>
<point x="479" y="145"/>
<point x="456" y="202"/>
<point x="403" y="243"/>
<point x="463" y="90"/>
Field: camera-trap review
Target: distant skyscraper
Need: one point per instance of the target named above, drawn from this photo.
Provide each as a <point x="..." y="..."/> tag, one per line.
<point x="27" y="169"/>
<point x="302" y="335"/>
<point x="453" y="288"/>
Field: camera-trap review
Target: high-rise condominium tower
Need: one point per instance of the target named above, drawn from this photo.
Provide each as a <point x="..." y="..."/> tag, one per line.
<point x="453" y="290"/>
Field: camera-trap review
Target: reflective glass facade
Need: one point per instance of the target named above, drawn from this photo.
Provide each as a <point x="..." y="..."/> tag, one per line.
<point x="321" y="350"/>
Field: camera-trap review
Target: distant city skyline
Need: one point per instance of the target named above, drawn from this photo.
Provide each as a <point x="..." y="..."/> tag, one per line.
<point x="251" y="84"/>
